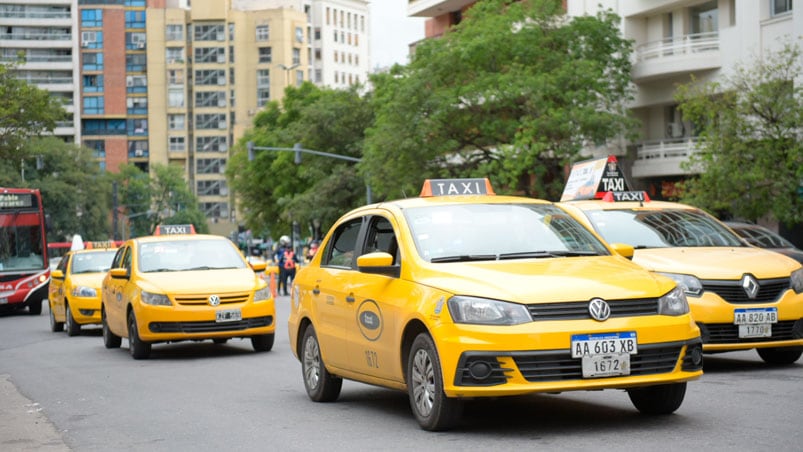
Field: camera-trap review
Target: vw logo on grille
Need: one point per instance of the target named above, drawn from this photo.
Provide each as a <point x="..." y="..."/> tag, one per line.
<point x="599" y="309"/>
<point x="750" y="286"/>
<point x="214" y="300"/>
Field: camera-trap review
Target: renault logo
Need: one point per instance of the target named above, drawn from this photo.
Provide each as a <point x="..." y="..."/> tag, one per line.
<point x="214" y="300"/>
<point x="599" y="309"/>
<point x="750" y="286"/>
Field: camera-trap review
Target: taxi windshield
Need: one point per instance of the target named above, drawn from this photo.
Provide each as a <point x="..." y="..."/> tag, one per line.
<point x="661" y="228"/>
<point x="188" y="255"/>
<point x="95" y="262"/>
<point x="466" y="232"/>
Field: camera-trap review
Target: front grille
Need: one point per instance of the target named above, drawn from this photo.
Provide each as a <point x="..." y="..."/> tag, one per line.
<point x="733" y="292"/>
<point x="209" y="327"/>
<point x="203" y="299"/>
<point x="576" y="310"/>
<point x="728" y="333"/>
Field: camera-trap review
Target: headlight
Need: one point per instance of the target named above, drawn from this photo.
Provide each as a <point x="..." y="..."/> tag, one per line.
<point x="797" y="280"/>
<point x="690" y="284"/>
<point x="483" y="311"/>
<point x="83" y="291"/>
<point x="673" y="303"/>
<point x="262" y="294"/>
<point x="155" y="299"/>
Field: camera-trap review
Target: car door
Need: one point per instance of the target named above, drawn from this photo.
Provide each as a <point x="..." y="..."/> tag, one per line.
<point x="113" y="292"/>
<point x="56" y="289"/>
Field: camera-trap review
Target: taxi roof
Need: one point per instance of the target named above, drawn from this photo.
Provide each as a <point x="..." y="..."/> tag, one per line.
<point x="598" y="204"/>
<point x="178" y="237"/>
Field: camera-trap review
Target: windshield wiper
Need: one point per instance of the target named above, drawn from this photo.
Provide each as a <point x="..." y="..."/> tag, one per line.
<point x="207" y="267"/>
<point x="158" y="270"/>
<point x="544" y="254"/>
<point x="465" y="258"/>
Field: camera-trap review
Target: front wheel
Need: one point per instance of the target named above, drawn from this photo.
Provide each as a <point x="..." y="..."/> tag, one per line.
<point x="321" y="386"/>
<point x="659" y="399"/>
<point x="73" y="327"/>
<point x="432" y="409"/>
<point x="139" y="349"/>
<point x="779" y="356"/>
<point x="262" y="343"/>
<point x="110" y="340"/>
<point x="55" y="326"/>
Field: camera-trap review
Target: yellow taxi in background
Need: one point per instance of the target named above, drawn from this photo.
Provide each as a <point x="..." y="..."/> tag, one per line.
<point x="742" y="297"/>
<point x="170" y="288"/>
<point x="460" y="293"/>
<point x="74" y="293"/>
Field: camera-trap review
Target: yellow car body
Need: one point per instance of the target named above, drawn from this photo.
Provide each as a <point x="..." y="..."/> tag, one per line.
<point x="172" y="288"/>
<point x="404" y="286"/>
<point x="74" y="292"/>
<point x="741" y="296"/>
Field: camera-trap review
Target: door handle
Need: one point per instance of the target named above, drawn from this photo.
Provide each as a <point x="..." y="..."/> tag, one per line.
<point x="316" y="290"/>
<point x="350" y="298"/>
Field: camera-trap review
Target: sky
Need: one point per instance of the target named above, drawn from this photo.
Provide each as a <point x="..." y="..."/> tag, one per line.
<point x="392" y="31"/>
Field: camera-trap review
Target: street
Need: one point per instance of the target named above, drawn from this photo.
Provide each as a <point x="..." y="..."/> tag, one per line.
<point x="202" y="396"/>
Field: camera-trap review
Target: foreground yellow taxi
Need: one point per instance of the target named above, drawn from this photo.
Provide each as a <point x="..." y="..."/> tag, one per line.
<point x="171" y="288"/>
<point x="74" y="293"/>
<point x="474" y="295"/>
<point x="742" y="297"/>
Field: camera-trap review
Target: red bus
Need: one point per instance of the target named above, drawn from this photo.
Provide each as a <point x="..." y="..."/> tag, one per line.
<point x="24" y="269"/>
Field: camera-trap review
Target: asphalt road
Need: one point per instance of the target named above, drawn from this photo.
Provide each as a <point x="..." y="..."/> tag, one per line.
<point x="62" y="393"/>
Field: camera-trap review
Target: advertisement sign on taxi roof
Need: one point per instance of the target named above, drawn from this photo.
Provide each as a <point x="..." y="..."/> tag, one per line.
<point x="591" y="179"/>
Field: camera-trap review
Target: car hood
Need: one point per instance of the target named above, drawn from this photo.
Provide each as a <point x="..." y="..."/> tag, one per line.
<point x="94" y="280"/>
<point x="200" y="281"/>
<point x="547" y="280"/>
<point x="716" y="262"/>
<point x="794" y="253"/>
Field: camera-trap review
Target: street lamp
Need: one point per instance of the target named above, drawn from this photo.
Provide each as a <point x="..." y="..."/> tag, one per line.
<point x="287" y="72"/>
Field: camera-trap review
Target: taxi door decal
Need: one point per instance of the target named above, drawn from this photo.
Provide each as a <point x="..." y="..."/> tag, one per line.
<point x="369" y="320"/>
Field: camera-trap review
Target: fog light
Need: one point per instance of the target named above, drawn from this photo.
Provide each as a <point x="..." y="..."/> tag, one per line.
<point x="697" y="356"/>
<point x="480" y="370"/>
<point x="86" y="312"/>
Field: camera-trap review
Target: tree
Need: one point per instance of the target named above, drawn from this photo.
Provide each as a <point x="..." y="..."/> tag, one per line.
<point x="749" y="158"/>
<point x="514" y="92"/>
<point x="163" y="198"/>
<point x="273" y="191"/>
<point x="26" y="112"/>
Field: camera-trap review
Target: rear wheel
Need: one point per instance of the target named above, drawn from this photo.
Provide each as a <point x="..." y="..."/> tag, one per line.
<point x="659" y="399"/>
<point x="110" y="340"/>
<point x="320" y="384"/>
<point x="73" y="327"/>
<point x="139" y="349"/>
<point x="262" y="343"/>
<point x="55" y="326"/>
<point x="432" y="409"/>
<point x="779" y="356"/>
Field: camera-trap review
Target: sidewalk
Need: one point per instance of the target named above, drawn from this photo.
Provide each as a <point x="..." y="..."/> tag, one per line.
<point x="23" y="426"/>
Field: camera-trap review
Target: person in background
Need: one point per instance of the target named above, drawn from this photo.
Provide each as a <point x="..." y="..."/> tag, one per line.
<point x="287" y="261"/>
<point x="313" y="248"/>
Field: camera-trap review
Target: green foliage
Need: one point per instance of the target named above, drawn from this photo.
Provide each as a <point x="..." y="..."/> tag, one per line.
<point x="749" y="162"/>
<point x="513" y="92"/>
<point x="25" y="112"/>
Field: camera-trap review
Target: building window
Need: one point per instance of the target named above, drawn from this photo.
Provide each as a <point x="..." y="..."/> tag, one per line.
<point x="93" y="105"/>
<point x="135" y="62"/>
<point x="175" y="97"/>
<point x="299" y="77"/>
<point x="210" y="166"/>
<point x="138" y="126"/>
<point x="176" y="144"/>
<point x="296" y="56"/>
<point x="211" y="144"/>
<point x="92" y="18"/>
<point x="92" y="61"/>
<point x="174" y="32"/>
<point x="210" y="121"/>
<point x="174" y="55"/>
<point x="265" y="55"/>
<point x="705" y="18"/>
<point x="209" y="33"/>
<point x="135" y="19"/>
<point x="263" y="33"/>
<point x="138" y="148"/>
<point x="299" y="34"/>
<point x="210" y="55"/>
<point x="781" y="6"/>
<point x="215" y="209"/>
<point x="137" y="105"/>
<point x="210" y="98"/>
<point x="175" y="122"/>
<point x="93" y="83"/>
<point x="263" y="96"/>
<point x="210" y="77"/>
<point x="175" y="76"/>
<point x="135" y="41"/>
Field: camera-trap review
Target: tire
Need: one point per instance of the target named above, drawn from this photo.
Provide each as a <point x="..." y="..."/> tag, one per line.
<point x="780" y="356"/>
<point x="54" y="325"/>
<point x="73" y="328"/>
<point x="110" y="340"/>
<point x="35" y="307"/>
<point x="321" y="386"/>
<point x="659" y="399"/>
<point x="262" y="343"/>
<point x="139" y="349"/>
<point x="431" y="408"/>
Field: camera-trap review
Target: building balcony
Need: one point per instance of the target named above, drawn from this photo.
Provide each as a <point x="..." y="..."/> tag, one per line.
<point x="661" y="158"/>
<point x="676" y="55"/>
<point x="435" y="8"/>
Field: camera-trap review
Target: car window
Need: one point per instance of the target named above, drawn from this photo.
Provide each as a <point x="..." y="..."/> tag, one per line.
<point x="63" y="263"/>
<point x="92" y="262"/>
<point x="661" y="228"/>
<point x="126" y="262"/>
<point x="188" y="255"/>
<point x="117" y="262"/>
<point x="762" y="237"/>
<point x="381" y="237"/>
<point x="340" y="249"/>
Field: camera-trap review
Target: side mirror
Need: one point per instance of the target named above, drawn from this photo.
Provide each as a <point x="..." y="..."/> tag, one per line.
<point x="623" y="249"/>
<point x="258" y="266"/>
<point x="378" y="263"/>
<point x="119" y="273"/>
<point x="57" y="274"/>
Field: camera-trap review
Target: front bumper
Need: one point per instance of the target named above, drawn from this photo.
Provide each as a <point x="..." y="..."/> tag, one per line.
<point x="85" y="310"/>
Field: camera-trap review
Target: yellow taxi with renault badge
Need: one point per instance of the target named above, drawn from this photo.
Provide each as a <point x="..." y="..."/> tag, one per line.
<point x="178" y="286"/>
<point x="460" y="293"/>
<point x="742" y="297"/>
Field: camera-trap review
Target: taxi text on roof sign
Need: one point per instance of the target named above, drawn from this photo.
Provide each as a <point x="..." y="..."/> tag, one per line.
<point x="600" y="179"/>
<point x="456" y="187"/>
<point x="173" y="229"/>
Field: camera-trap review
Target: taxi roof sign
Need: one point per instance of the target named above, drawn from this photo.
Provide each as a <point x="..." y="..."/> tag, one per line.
<point x="174" y="229"/>
<point x="456" y="187"/>
<point x="592" y="179"/>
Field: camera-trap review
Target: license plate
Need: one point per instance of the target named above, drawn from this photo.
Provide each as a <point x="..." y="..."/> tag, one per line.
<point x="228" y="315"/>
<point x="760" y="330"/>
<point x="604" y="344"/>
<point x="755" y="316"/>
<point x="595" y="366"/>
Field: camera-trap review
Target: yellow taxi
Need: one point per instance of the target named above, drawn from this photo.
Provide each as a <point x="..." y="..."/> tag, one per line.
<point x="742" y="297"/>
<point x="170" y="288"/>
<point x="74" y="293"/>
<point x="460" y="293"/>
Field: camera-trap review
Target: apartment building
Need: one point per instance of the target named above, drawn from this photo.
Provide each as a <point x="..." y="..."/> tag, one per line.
<point x="673" y="41"/>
